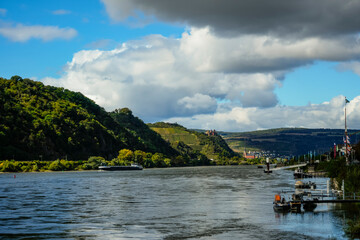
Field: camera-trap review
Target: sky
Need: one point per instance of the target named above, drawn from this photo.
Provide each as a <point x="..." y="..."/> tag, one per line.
<point x="227" y="65"/>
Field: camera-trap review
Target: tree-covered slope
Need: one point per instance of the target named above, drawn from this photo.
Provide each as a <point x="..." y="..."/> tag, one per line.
<point x="44" y="122"/>
<point x="185" y="140"/>
<point x="152" y="141"/>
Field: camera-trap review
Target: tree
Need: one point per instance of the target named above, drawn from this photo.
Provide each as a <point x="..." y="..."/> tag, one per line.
<point x="139" y="157"/>
<point x="126" y="155"/>
<point x="158" y="160"/>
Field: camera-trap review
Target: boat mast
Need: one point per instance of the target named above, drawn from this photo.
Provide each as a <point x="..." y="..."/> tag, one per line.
<point x="346" y="137"/>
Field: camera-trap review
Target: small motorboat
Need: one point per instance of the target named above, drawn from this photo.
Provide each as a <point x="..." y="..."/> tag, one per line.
<point x="299" y="173"/>
<point x="308" y="185"/>
<point x="280" y="205"/>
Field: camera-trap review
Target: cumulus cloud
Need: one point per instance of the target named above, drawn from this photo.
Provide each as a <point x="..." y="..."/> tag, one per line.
<point x="291" y="18"/>
<point x="160" y="78"/>
<point x="252" y="53"/>
<point x="324" y="115"/>
<point x="23" y="33"/>
<point x="198" y="102"/>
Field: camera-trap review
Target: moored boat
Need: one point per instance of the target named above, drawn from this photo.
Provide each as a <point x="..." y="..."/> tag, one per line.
<point x="299" y="173"/>
<point x="308" y="185"/>
<point x="280" y="205"/>
<point x="121" y="168"/>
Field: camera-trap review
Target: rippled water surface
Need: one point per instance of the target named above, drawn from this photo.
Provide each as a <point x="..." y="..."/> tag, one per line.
<point x="177" y="203"/>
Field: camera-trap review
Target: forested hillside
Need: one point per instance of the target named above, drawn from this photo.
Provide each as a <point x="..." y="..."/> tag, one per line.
<point x="190" y="141"/>
<point x="45" y="122"/>
<point x="149" y="138"/>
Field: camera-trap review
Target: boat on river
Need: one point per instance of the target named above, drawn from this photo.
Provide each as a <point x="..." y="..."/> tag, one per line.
<point x="308" y="185"/>
<point x="121" y="168"/>
<point x="280" y="205"/>
<point x="299" y="173"/>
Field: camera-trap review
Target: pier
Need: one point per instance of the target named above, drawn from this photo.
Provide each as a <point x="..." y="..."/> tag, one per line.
<point x="309" y="199"/>
<point x="288" y="167"/>
<point x="332" y="201"/>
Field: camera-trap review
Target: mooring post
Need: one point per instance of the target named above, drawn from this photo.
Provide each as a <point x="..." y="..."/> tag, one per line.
<point x="328" y="186"/>
<point x="343" y="188"/>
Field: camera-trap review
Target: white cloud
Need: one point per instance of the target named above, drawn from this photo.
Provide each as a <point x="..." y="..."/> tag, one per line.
<point x="202" y="80"/>
<point x="198" y="102"/>
<point x="325" y="115"/>
<point x="22" y="33"/>
<point x="256" y="53"/>
<point x="61" y="12"/>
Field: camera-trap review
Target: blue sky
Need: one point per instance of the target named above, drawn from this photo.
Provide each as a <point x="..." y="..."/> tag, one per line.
<point x="227" y="65"/>
<point x="43" y="59"/>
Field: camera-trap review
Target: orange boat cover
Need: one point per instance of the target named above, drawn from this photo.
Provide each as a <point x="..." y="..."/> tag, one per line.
<point x="277" y="197"/>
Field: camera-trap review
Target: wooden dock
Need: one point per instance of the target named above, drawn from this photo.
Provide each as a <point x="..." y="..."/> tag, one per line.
<point x="331" y="201"/>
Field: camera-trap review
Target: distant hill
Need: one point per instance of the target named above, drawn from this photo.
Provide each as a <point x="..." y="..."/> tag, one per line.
<point x="185" y="140"/>
<point x="288" y="141"/>
<point x="45" y="122"/>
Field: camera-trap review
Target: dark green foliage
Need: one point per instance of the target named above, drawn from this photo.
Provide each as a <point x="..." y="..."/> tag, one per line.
<point x="150" y="140"/>
<point x="51" y="123"/>
<point x="42" y="120"/>
<point x="353" y="228"/>
<point x="338" y="170"/>
<point x="38" y="121"/>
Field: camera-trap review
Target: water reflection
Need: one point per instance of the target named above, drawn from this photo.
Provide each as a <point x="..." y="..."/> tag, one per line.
<point x="179" y="203"/>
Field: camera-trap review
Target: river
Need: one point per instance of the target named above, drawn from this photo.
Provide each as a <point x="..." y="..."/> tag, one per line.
<point x="232" y="202"/>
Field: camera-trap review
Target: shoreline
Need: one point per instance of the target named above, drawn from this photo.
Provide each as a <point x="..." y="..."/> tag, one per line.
<point x="93" y="170"/>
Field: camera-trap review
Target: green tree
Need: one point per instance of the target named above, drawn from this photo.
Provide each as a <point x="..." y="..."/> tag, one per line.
<point x="126" y="155"/>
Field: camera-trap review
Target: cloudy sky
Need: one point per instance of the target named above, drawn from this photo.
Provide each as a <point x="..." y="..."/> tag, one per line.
<point x="228" y="65"/>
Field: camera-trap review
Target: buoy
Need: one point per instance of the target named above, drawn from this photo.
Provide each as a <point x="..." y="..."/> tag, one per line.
<point x="14" y="176"/>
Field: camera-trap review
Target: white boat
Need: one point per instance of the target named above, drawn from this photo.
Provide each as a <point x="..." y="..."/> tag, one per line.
<point x="121" y="168"/>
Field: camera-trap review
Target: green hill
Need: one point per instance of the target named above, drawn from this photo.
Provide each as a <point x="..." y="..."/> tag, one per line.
<point x="152" y="141"/>
<point x="45" y="122"/>
<point x="288" y="141"/>
<point x="185" y="140"/>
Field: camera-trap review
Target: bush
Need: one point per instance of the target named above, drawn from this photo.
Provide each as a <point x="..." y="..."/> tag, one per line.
<point x="56" y="166"/>
<point x="353" y="228"/>
<point x="10" y="166"/>
<point x="94" y="162"/>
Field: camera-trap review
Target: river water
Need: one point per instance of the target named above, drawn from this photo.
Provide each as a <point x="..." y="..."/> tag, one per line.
<point x="233" y="202"/>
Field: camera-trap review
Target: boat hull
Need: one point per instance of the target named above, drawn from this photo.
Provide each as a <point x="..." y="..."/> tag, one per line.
<point x="120" y="168"/>
<point x="281" y="207"/>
